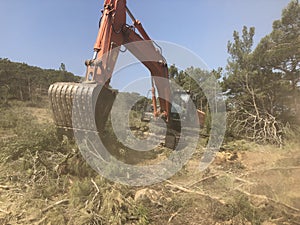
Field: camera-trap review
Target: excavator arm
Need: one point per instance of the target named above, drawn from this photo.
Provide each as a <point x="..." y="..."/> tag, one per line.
<point x="113" y="33"/>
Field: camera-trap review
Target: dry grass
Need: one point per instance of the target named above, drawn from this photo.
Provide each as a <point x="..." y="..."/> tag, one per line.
<point x="44" y="180"/>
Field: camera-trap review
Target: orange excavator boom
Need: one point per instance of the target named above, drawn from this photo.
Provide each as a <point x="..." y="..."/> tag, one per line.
<point x="112" y="34"/>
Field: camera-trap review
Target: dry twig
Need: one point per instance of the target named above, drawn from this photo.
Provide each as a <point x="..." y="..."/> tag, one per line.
<point x="55" y="204"/>
<point x="171" y="184"/>
<point x="173" y="215"/>
<point x="5" y="187"/>
<point x="4" y="211"/>
<point x="97" y="188"/>
<point x="204" y="179"/>
<point x="41" y="221"/>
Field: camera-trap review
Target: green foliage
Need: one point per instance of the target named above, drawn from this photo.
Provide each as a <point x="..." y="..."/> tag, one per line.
<point x="142" y="213"/>
<point x="278" y="54"/>
<point x="239" y="63"/>
<point x="62" y="67"/>
<point x="202" y="84"/>
<point x="262" y="85"/>
<point x="23" y="82"/>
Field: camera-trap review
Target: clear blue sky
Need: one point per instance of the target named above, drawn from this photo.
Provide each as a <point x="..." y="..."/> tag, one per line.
<point x="46" y="33"/>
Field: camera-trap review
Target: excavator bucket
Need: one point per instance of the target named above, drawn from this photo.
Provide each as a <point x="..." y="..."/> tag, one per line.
<point x="93" y="105"/>
<point x="86" y="107"/>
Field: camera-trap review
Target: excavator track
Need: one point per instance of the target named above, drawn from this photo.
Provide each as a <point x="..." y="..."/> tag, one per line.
<point x="80" y="106"/>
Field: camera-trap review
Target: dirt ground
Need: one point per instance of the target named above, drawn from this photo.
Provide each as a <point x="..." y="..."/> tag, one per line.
<point x="245" y="184"/>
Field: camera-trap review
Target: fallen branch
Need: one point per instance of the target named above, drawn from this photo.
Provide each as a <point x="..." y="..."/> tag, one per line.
<point x="4" y="211"/>
<point x="237" y="178"/>
<point x="204" y="179"/>
<point x="6" y="187"/>
<point x="97" y="188"/>
<point x="243" y="180"/>
<point x="173" y="215"/>
<point x="55" y="204"/>
<point x="172" y="185"/>
<point x="41" y="221"/>
<point x="268" y="199"/>
<point x="284" y="168"/>
<point x="269" y="169"/>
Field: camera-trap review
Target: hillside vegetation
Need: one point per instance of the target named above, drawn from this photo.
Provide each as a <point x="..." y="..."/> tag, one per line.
<point x="28" y="83"/>
<point x="254" y="178"/>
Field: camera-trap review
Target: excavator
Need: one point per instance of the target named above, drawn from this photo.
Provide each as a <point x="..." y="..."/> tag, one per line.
<point x="113" y="33"/>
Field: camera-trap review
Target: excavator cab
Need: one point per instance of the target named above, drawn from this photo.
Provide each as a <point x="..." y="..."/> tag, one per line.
<point x="147" y="113"/>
